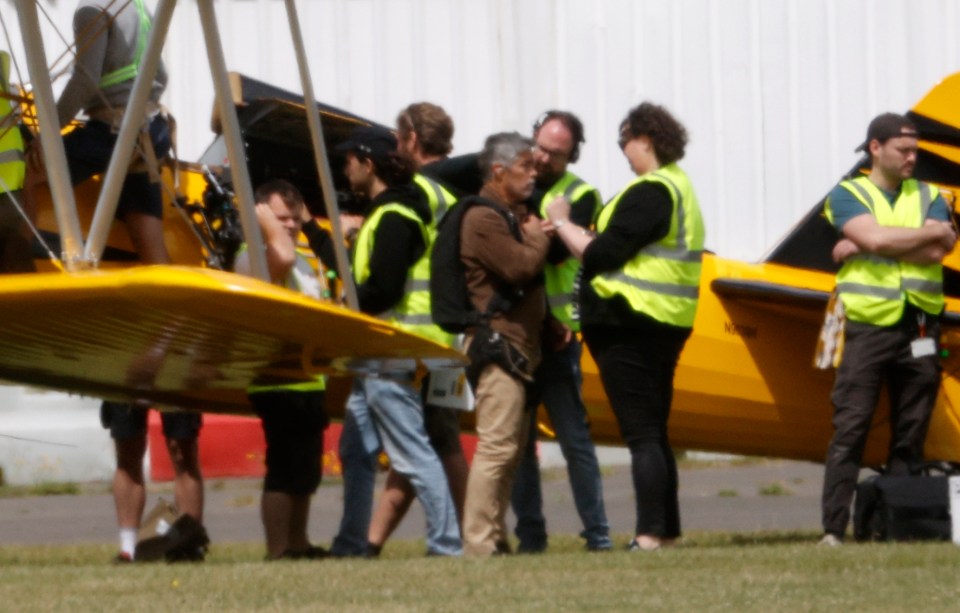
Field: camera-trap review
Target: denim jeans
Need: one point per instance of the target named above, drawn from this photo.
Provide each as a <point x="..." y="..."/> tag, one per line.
<point x="558" y="383"/>
<point x="387" y="412"/>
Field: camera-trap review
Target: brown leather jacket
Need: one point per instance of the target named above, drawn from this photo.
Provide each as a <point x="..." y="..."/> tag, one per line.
<point x="492" y="257"/>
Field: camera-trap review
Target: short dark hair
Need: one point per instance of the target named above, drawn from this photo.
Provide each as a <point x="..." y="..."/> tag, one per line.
<point x="666" y="134"/>
<point x="379" y="145"/>
<point x="431" y="124"/>
<point x="287" y="191"/>
<point x="570" y="122"/>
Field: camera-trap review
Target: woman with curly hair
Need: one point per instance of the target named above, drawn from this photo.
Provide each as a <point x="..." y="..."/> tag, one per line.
<point x="638" y="298"/>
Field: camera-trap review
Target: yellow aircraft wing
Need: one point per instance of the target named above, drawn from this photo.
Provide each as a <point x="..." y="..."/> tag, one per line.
<point x="185" y="337"/>
<point x="746" y="384"/>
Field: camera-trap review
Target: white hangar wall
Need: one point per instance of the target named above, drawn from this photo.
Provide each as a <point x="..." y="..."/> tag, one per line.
<point x="775" y="93"/>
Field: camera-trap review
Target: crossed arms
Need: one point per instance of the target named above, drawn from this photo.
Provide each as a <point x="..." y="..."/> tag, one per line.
<point x="925" y="245"/>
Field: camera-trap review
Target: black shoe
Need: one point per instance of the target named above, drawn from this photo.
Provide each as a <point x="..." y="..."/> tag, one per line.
<point x="600" y="546"/>
<point x="197" y="554"/>
<point x="532" y="549"/>
<point x="312" y="552"/>
<point x="503" y="549"/>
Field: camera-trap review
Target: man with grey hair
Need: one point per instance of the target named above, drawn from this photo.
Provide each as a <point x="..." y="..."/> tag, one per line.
<point x="503" y="249"/>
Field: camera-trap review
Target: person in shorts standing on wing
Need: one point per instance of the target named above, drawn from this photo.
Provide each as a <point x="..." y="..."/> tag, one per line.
<point x="110" y="40"/>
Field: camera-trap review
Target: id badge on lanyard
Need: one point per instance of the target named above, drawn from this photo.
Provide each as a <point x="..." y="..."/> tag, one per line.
<point x="923" y="345"/>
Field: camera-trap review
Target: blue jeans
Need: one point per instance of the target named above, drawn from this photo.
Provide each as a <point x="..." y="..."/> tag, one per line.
<point x="387" y="412"/>
<point x="558" y="383"/>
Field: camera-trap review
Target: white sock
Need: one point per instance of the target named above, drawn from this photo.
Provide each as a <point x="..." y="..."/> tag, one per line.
<point x="128" y="541"/>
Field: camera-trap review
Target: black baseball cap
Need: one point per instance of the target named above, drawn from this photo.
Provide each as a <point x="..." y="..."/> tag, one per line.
<point x="370" y="141"/>
<point x="887" y="126"/>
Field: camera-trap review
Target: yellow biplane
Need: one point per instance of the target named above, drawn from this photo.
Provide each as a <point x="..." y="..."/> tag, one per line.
<point x="745" y="382"/>
<point x="186" y="334"/>
<point x="191" y="335"/>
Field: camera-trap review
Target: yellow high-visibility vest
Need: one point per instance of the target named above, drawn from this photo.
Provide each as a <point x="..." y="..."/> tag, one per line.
<point x="663" y="279"/>
<point x="129" y="72"/>
<point x="874" y="289"/>
<point x="319" y="383"/>
<point x="438" y="197"/>
<point x="12" y="164"/>
<point x="559" y="278"/>
<point x="412" y="313"/>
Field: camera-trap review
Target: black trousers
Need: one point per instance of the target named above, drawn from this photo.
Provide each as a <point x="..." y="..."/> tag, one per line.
<point x="637" y="371"/>
<point x="872" y="356"/>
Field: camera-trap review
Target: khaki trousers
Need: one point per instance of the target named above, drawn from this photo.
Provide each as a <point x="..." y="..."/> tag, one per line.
<point x="502" y="428"/>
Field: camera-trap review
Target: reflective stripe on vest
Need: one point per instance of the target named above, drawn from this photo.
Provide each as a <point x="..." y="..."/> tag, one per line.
<point x="874" y="288"/>
<point x="663" y="279"/>
<point x="320" y="383"/>
<point x="438" y="197"/>
<point x="129" y="72"/>
<point x="412" y="313"/>
<point x="307" y="386"/>
<point x="559" y="278"/>
<point x="12" y="165"/>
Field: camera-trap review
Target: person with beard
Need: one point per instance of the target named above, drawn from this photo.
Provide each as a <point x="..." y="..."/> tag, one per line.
<point x="503" y="250"/>
<point x="894" y="231"/>
<point x="425" y="132"/>
<point x="385" y="410"/>
<point x="557" y="136"/>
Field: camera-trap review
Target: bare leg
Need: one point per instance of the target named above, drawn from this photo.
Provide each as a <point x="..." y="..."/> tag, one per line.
<point x="129" y="492"/>
<point x="397" y="496"/>
<point x="187" y="480"/>
<point x="297" y="539"/>
<point x="146" y="234"/>
<point x="276" y="509"/>
<point x="456" y="469"/>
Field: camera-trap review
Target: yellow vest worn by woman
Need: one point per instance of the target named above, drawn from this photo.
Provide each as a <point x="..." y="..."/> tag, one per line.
<point x="663" y="279"/>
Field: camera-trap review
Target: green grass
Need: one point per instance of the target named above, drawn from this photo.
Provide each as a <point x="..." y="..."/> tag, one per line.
<point x="711" y="572"/>
<point x="44" y="488"/>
